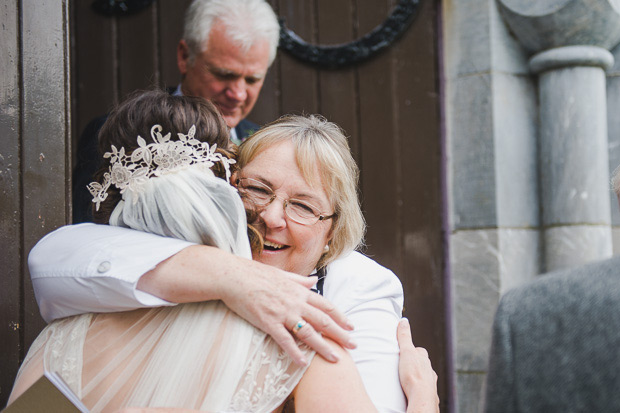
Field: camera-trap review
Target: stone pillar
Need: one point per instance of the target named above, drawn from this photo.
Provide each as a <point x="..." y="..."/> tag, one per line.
<point x="573" y="154"/>
<point x="569" y="40"/>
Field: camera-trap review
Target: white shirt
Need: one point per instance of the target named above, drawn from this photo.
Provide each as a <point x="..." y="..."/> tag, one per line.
<point x="95" y="268"/>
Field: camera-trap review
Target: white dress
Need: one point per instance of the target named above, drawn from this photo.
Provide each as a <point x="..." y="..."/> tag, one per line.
<point x="197" y="356"/>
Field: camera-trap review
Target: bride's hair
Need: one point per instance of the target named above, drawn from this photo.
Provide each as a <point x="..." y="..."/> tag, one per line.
<point x="135" y="117"/>
<point x="195" y="204"/>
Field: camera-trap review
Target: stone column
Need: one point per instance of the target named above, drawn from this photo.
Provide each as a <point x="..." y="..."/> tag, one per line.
<point x="573" y="156"/>
<point x="569" y="40"/>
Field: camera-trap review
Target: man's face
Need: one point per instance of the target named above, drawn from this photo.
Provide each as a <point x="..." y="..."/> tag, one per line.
<point x="224" y="74"/>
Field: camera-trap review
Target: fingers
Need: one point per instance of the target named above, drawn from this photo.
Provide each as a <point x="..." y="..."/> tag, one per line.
<point x="403" y="334"/>
<point x="422" y="352"/>
<point x="405" y="342"/>
<point x="328" y="308"/>
<point x="307" y="282"/>
<point x="325" y="325"/>
<point x="308" y="335"/>
<point x="286" y="341"/>
<point x="417" y="377"/>
<point x="320" y="317"/>
<point x="313" y="339"/>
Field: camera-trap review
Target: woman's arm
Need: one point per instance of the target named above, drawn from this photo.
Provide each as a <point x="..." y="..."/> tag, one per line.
<point x="98" y="268"/>
<point x="417" y="376"/>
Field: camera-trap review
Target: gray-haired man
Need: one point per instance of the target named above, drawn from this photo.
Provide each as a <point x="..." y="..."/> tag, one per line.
<point x="226" y="50"/>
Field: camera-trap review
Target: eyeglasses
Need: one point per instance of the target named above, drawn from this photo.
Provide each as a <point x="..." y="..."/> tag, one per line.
<point x="262" y="195"/>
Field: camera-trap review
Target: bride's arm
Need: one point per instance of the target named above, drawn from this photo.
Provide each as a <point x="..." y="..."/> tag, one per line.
<point x="328" y="387"/>
<point x="98" y="268"/>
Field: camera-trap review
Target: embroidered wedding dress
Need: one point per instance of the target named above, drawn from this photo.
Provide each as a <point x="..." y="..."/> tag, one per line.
<point x="199" y="356"/>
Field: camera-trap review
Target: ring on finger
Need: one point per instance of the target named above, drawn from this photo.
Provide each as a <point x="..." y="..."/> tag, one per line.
<point x="299" y="325"/>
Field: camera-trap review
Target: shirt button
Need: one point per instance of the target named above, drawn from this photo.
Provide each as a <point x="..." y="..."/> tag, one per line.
<point x="104" y="267"/>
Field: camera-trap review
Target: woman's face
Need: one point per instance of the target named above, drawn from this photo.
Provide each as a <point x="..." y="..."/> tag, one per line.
<point x="288" y="245"/>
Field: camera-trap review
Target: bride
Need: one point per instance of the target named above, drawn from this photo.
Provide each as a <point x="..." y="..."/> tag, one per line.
<point x="166" y="177"/>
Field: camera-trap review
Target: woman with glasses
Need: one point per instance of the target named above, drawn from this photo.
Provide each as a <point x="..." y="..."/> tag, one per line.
<point x="298" y="182"/>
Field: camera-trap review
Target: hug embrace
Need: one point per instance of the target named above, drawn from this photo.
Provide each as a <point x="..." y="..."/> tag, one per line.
<point x="220" y="274"/>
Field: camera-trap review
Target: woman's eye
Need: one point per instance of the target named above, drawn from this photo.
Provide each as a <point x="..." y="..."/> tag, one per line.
<point x="257" y="190"/>
<point x="303" y="207"/>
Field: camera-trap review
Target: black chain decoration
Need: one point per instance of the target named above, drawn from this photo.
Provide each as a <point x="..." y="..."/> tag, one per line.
<point x="347" y="54"/>
<point x="332" y="56"/>
<point x="119" y="7"/>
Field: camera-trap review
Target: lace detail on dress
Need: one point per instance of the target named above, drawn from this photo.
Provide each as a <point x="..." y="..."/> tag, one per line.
<point x="63" y="351"/>
<point x="59" y="349"/>
<point x="269" y="379"/>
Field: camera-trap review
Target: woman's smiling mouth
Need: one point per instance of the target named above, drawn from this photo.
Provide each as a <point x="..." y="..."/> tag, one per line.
<point x="272" y="246"/>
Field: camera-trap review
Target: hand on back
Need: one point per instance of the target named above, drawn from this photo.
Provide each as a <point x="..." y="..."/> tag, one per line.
<point x="417" y="377"/>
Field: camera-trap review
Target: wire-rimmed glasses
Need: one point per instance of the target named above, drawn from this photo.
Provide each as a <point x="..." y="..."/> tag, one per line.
<point x="261" y="195"/>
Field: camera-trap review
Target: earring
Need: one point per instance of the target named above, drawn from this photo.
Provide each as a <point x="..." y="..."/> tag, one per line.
<point x="326" y="249"/>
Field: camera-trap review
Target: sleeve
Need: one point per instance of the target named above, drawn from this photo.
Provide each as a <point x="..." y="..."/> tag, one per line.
<point x="500" y="388"/>
<point x="371" y="297"/>
<point x="95" y="268"/>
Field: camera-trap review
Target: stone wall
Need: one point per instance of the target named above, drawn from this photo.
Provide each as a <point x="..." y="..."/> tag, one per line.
<point x="491" y="129"/>
<point x="513" y="144"/>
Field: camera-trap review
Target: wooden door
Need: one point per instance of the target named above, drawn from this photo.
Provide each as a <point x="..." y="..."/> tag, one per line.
<point x="34" y="166"/>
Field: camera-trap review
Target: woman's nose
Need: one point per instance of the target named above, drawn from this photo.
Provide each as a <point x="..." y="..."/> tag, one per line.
<point x="273" y="214"/>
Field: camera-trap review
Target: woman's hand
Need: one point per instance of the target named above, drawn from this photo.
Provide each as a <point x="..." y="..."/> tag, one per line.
<point x="270" y="299"/>
<point x="275" y="301"/>
<point x="417" y="377"/>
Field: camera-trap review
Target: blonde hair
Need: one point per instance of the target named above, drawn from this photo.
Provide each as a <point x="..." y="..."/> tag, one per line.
<point x="318" y="141"/>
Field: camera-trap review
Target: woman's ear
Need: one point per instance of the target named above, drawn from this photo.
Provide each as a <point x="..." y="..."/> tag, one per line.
<point x="233" y="178"/>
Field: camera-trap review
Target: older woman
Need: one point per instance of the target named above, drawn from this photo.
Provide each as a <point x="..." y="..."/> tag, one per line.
<point x="300" y="178"/>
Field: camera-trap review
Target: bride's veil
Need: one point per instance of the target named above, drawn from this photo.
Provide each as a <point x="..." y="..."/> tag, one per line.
<point x="191" y="204"/>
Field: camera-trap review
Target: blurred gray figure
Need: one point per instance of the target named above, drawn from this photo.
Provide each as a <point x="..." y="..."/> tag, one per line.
<point x="556" y="342"/>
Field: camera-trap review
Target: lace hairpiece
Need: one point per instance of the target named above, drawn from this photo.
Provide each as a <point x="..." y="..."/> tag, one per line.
<point x="155" y="159"/>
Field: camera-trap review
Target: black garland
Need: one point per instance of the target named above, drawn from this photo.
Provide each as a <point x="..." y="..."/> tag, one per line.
<point x="332" y="56"/>
<point x="347" y="54"/>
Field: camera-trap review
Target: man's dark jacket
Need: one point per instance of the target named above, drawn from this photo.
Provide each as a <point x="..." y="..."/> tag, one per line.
<point x="556" y="344"/>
